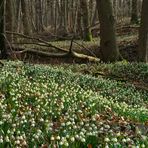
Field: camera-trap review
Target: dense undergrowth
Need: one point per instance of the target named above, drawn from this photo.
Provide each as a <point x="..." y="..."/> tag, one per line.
<point x="61" y="107"/>
<point x="120" y="70"/>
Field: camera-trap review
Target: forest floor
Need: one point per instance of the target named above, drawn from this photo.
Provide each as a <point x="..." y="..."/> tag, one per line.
<point x="127" y="42"/>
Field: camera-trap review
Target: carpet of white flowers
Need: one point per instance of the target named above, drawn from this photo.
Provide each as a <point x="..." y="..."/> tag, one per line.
<point x="42" y="106"/>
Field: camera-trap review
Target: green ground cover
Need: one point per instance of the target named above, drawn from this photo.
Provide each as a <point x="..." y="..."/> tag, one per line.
<point x="46" y="106"/>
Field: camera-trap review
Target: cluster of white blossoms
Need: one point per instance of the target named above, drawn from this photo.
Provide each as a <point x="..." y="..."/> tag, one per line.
<point x="49" y="107"/>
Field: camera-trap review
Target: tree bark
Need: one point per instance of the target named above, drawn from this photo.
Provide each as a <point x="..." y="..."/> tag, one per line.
<point x="87" y="36"/>
<point x="18" y="16"/>
<point x="39" y="17"/>
<point x="108" y="43"/>
<point x="143" y="34"/>
<point x="9" y="20"/>
<point x="134" y="16"/>
<point x="25" y="17"/>
<point x="2" y="30"/>
<point x="79" y="24"/>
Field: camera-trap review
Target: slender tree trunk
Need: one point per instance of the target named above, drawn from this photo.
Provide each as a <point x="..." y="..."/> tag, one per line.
<point x="87" y="36"/>
<point x="52" y="13"/>
<point x="18" y="16"/>
<point x="65" y="8"/>
<point x="55" y="17"/>
<point x="115" y="5"/>
<point x="143" y="34"/>
<point x="91" y="6"/>
<point x="134" y="15"/>
<point x="9" y="19"/>
<point x="39" y="18"/>
<point x="108" y="41"/>
<point x="2" y="30"/>
<point x="71" y="16"/>
<point x="95" y="16"/>
<point x="79" y="23"/>
<point x="25" y="17"/>
<point x="75" y="16"/>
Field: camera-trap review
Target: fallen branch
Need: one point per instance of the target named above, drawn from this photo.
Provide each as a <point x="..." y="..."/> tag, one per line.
<point x="69" y="53"/>
<point x="86" y="57"/>
<point x="37" y="39"/>
<point x="40" y="44"/>
<point x="46" y="44"/>
<point x="58" y="55"/>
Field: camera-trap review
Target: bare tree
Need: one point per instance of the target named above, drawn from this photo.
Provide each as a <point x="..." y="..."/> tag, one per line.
<point x="134" y="15"/>
<point x="86" y="22"/>
<point x="108" y="43"/>
<point x="143" y="34"/>
<point x="2" y="30"/>
<point x="9" y="19"/>
<point x="25" y="17"/>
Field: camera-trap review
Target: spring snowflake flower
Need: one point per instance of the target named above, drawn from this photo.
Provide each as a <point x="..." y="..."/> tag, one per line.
<point x="114" y="139"/>
<point x="106" y="146"/>
<point x="1" y="140"/>
<point x="128" y="139"/>
<point x="107" y="126"/>
<point x="52" y="138"/>
<point x="7" y="139"/>
<point x="83" y="139"/>
<point x="72" y="139"/>
<point x="77" y="136"/>
<point x="143" y="146"/>
<point x="106" y="139"/>
<point x="61" y="143"/>
<point x="17" y="142"/>
<point x="66" y="144"/>
<point x="58" y="137"/>
<point x="123" y="140"/>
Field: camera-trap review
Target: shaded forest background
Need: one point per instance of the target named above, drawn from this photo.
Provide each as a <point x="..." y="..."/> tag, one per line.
<point x="93" y="29"/>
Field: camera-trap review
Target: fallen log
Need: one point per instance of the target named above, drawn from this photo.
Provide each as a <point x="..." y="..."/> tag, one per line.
<point x="19" y="50"/>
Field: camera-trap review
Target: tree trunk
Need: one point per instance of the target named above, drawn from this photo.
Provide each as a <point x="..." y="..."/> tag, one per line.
<point x="134" y="16"/>
<point x="87" y="36"/>
<point x="108" y="43"/>
<point x="143" y="34"/>
<point x="2" y="30"/>
<point x="79" y="24"/>
<point x="115" y="5"/>
<point x="39" y="17"/>
<point x="95" y="16"/>
<point x="25" y="17"/>
<point x="18" y="16"/>
<point x="9" y="19"/>
<point x="55" y="17"/>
